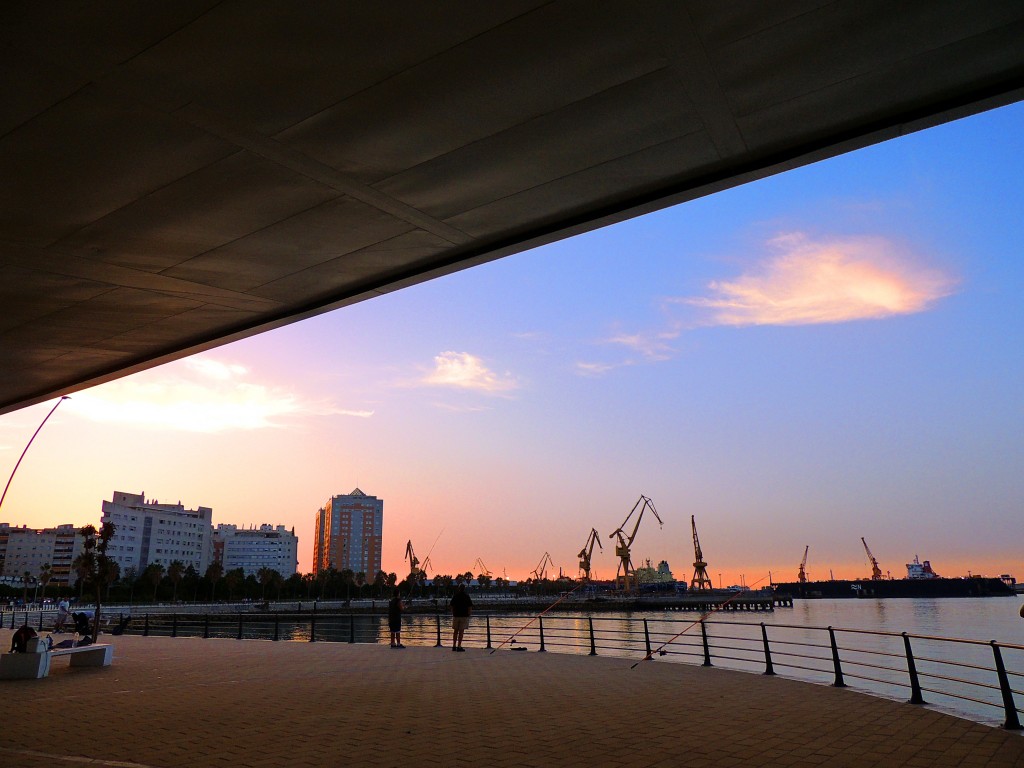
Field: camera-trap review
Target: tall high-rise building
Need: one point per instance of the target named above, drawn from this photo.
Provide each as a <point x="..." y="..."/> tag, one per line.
<point x="349" y="532"/>
<point x="150" y="532"/>
<point x="254" y="548"/>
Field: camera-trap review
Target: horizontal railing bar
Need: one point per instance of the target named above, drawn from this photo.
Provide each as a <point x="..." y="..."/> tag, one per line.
<point x="949" y="679"/>
<point x="961" y="697"/>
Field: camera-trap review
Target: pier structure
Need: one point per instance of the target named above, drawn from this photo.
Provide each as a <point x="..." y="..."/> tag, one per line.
<point x="185" y="702"/>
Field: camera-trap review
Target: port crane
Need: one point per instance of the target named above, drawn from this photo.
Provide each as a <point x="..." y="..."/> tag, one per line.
<point x="540" y="572"/>
<point x="414" y="562"/>
<point x="625" y="574"/>
<point x="700" y="580"/>
<point x="876" y="572"/>
<point x="482" y="568"/>
<point x="426" y="564"/>
<point x="588" y="551"/>
<point x="801" y="575"/>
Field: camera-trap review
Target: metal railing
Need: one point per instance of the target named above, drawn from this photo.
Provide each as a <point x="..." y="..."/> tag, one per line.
<point x="976" y="678"/>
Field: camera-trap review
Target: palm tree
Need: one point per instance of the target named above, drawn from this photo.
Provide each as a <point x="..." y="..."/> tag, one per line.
<point x="347" y="577"/>
<point x="174" y="572"/>
<point x="95" y="566"/>
<point x="214" y="572"/>
<point x="78" y="565"/>
<point x="131" y="575"/>
<point x="26" y="579"/>
<point x="113" y="573"/>
<point x="155" y="573"/>
<point x="45" y="577"/>
<point x="265" y="576"/>
<point x="232" y="579"/>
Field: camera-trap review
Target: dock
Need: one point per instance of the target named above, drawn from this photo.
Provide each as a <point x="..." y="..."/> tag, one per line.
<point x="187" y="702"/>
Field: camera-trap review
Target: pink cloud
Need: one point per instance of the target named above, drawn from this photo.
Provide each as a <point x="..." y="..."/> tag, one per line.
<point x="825" y="281"/>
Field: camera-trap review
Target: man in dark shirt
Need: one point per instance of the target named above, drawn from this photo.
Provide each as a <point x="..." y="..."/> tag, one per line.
<point x="462" y="606"/>
<point x="395" y="620"/>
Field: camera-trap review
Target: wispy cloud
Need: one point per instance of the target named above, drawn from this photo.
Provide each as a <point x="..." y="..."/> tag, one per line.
<point x="810" y="281"/>
<point x="198" y="395"/>
<point x="585" y="368"/>
<point x="652" y="346"/>
<point x="465" y="371"/>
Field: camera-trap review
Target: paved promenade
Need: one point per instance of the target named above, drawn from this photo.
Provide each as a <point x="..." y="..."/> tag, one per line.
<point x="191" y="702"/>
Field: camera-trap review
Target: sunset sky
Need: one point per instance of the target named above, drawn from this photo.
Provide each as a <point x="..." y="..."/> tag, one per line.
<point x="831" y="353"/>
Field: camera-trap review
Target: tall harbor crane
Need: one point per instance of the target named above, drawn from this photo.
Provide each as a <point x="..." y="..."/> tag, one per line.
<point x="801" y="575"/>
<point x="426" y="565"/>
<point x="540" y="572"/>
<point x="701" y="580"/>
<point x="625" y="574"/>
<point x="587" y="551"/>
<point x="414" y="562"/>
<point x="482" y="568"/>
<point x="876" y="572"/>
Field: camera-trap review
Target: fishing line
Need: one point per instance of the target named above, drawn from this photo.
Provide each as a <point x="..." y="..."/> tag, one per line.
<point x="704" y="615"/>
<point x="539" y="615"/>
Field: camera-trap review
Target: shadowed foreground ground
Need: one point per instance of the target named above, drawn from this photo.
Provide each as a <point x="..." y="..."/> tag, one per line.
<point x="191" y="702"/>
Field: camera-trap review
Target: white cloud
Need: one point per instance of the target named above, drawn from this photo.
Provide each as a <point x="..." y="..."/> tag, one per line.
<point x="198" y="395"/>
<point x="824" y="281"/>
<point x="465" y="371"/>
<point x="651" y="346"/>
<point x="596" y="369"/>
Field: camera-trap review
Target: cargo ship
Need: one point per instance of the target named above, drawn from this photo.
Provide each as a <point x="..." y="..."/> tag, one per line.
<point x="921" y="581"/>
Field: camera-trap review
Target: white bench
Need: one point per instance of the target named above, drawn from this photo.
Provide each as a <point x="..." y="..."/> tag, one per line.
<point x="32" y="666"/>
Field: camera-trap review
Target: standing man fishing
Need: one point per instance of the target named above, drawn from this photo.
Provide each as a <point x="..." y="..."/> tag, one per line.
<point x="462" y="606"/>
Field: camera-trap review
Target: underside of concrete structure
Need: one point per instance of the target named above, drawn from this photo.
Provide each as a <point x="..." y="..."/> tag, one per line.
<point x="179" y="175"/>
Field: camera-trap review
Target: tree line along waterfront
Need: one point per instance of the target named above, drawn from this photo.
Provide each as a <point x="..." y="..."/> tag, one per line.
<point x="178" y="582"/>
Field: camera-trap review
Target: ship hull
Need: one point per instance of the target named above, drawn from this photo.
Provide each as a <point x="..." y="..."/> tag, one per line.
<point x="886" y="588"/>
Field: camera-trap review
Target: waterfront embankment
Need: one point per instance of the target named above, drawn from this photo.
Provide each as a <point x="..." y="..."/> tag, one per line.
<point x="187" y="702"/>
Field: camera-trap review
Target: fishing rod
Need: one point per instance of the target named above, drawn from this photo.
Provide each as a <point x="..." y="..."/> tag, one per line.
<point x="7" y="487"/>
<point x="691" y="625"/>
<point x="538" y="616"/>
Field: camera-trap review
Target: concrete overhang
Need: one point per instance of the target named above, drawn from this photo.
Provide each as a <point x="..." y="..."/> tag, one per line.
<point x="179" y="175"/>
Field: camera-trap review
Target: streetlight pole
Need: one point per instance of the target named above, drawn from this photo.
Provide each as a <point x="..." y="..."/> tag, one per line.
<point x="4" y="495"/>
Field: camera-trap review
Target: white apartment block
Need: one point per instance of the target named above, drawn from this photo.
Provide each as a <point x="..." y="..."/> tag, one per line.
<point x="27" y="549"/>
<point x="147" y="531"/>
<point x="250" y="549"/>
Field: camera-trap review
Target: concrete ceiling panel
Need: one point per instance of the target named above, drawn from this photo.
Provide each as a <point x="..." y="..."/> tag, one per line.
<point x="180" y="175"/>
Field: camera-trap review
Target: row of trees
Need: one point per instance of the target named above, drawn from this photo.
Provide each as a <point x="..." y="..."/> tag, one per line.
<point x="102" y="578"/>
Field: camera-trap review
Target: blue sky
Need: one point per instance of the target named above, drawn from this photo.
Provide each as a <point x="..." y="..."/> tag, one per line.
<point x="826" y="354"/>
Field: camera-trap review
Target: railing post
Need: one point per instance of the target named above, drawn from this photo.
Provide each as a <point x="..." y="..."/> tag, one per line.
<point x="647" y="638"/>
<point x="312" y="625"/>
<point x="145" y="630"/>
<point x="768" y="668"/>
<point x="174" y="625"/>
<point x="707" y="647"/>
<point x="438" y="617"/>
<point x="593" y="643"/>
<point x="540" y="620"/>
<point x="915" y="685"/>
<point x="277" y="627"/>
<point x="835" y="660"/>
<point x="240" y="626"/>
<point x="206" y="627"/>
<point x="488" y="630"/>
<point x="351" y="628"/>
<point x="1012" y="721"/>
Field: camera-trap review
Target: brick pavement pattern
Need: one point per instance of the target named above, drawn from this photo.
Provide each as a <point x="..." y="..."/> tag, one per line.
<point x="170" y="703"/>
